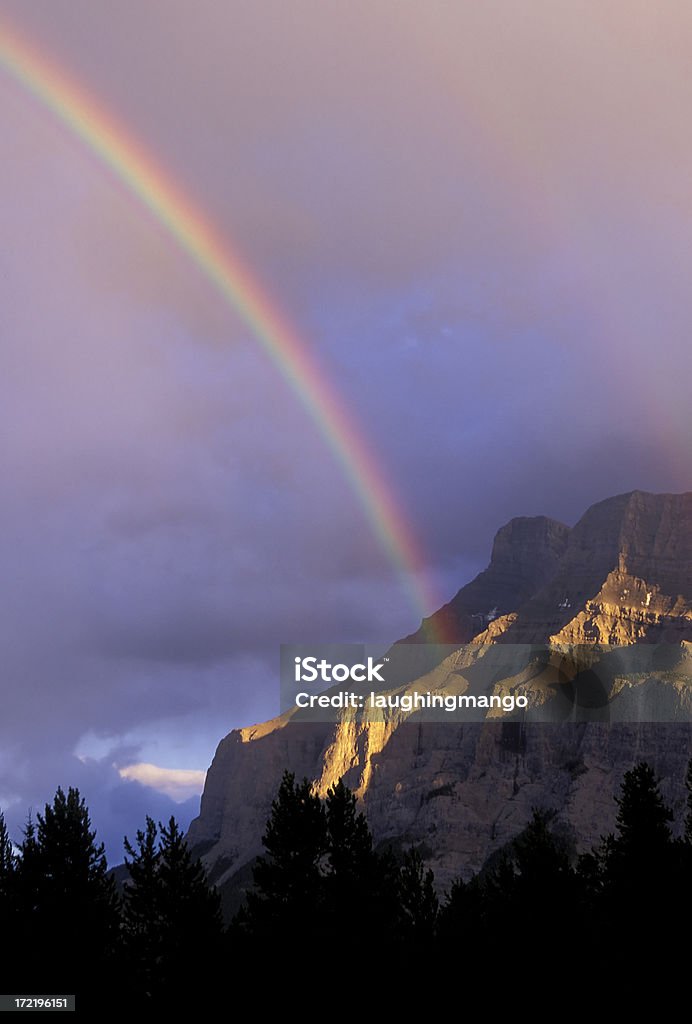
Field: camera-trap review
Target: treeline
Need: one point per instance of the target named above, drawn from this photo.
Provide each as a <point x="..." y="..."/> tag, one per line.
<point x="323" y="880"/>
<point x="66" y="929"/>
<point x="322" y="890"/>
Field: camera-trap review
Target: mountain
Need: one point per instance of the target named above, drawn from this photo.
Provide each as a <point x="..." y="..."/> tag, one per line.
<point x="460" y="791"/>
<point x="526" y="555"/>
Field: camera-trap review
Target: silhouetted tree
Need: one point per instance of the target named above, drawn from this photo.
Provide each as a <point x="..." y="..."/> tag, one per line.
<point x="66" y="899"/>
<point x="542" y="863"/>
<point x="531" y="884"/>
<point x="28" y="876"/>
<point x="464" y="924"/>
<point x="8" y="863"/>
<point x="589" y="871"/>
<point x="454" y="914"/>
<point x="8" y="899"/>
<point x="360" y="885"/>
<point x="288" y="894"/>
<point x="419" y="902"/>
<point x="190" y="908"/>
<point x="548" y="895"/>
<point x="348" y="836"/>
<point x="688" y="816"/>
<point x="141" y="907"/>
<point x="320" y="879"/>
<point x="638" y="868"/>
<point x="171" y="917"/>
<point x="642" y="843"/>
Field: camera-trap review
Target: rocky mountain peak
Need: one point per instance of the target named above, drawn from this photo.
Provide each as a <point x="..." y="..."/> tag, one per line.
<point x="458" y="791"/>
<point x="526" y="553"/>
<point x="624" y="576"/>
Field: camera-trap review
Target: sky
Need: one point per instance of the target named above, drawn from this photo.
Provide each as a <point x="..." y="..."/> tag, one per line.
<point x="477" y="219"/>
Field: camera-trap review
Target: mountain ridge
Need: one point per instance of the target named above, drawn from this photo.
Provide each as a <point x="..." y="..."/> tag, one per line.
<point x="621" y="575"/>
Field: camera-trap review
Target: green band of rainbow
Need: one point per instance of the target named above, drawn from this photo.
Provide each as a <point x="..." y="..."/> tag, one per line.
<point x="221" y="265"/>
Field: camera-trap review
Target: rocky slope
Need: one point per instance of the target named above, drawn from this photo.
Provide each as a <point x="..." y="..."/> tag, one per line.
<point x="462" y="790"/>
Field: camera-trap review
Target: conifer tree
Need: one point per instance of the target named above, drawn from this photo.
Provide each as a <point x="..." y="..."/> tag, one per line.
<point x="541" y="862"/>
<point x="349" y="838"/>
<point x="28" y="875"/>
<point x="171" y="916"/>
<point x="454" y="912"/>
<point x="360" y="885"/>
<point x="142" y="902"/>
<point x="638" y="868"/>
<point x="418" y="898"/>
<point x="66" y="899"/>
<point x="288" y="890"/>
<point x="8" y="899"/>
<point x="688" y="816"/>
<point x="8" y="863"/>
<point x="643" y="839"/>
<point x="189" y="907"/>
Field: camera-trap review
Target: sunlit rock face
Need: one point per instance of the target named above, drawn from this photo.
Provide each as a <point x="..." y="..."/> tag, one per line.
<point x="460" y="791"/>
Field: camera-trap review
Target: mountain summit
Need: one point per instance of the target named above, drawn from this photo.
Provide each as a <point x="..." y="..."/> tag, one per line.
<point x="460" y="791"/>
<point x="621" y="574"/>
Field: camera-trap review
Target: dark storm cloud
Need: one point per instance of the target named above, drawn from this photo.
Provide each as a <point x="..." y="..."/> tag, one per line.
<point x="477" y="216"/>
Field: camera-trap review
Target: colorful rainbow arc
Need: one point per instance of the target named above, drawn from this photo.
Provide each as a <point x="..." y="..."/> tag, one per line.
<point x="136" y="170"/>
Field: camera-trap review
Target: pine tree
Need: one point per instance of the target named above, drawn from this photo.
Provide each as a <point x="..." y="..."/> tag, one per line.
<point x="497" y="887"/>
<point x="349" y="838"/>
<point x="320" y="878"/>
<point x="543" y="865"/>
<point x="67" y="900"/>
<point x="171" y="917"/>
<point x="141" y="905"/>
<point x="73" y="865"/>
<point x="688" y="816"/>
<point x="643" y="838"/>
<point x="8" y="863"/>
<point x="189" y="907"/>
<point x="418" y="898"/>
<point x="288" y="881"/>
<point x="549" y="896"/>
<point x="462" y="922"/>
<point x="638" y="867"/>
<point x="359" y="884"/>
<point x="454" y="912"/>
<point x="8" y="899"/>
<point x="28" y="875"/>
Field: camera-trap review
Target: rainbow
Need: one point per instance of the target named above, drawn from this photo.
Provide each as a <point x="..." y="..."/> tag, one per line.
<point x="137" y="171"/>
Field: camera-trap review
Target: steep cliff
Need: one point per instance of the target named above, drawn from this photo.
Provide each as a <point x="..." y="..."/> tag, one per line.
<point x="461" y="791"/>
